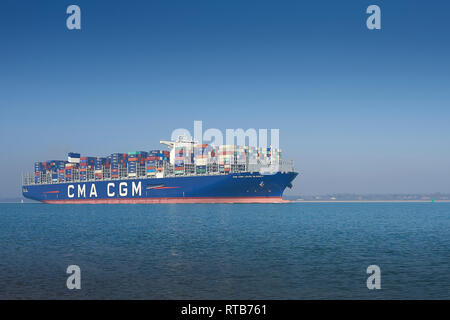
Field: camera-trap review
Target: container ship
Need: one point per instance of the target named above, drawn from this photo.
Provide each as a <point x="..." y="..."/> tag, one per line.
<point x="186" y="173"/>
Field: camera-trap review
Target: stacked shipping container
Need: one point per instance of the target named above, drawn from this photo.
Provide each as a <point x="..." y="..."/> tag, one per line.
<point x="184" y="157"/>
<point x="198" y="159"/>
<point x="155" y="161"/>
<point x="86" y="165"/>
<point x="53" y="167"/>
<point x="202" y="155"/>
<point x="136" y="160"/>
<point x="118" y="162"/>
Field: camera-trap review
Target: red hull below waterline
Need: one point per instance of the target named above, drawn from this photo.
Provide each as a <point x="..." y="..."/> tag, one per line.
<point x="172" y="200"/>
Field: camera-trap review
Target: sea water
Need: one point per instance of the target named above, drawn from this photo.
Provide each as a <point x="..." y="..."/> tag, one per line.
<point x="225" y="251"/>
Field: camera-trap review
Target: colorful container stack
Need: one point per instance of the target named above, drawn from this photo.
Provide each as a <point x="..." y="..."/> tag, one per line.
<point x="86" y="163"/>
<point x="118" y="161"/>
<point x="183" y="156"/>
<point x="99" y="162"/>
<point x="107" y="168"/>
<point x="51" y="167"/>
<point x="73" y="157"/>
<point x="136" y="159"/>
<point x="226" y="157"/>
<point x="150" y="165"/>
<point x="155" y="161"/>
<point x="180" y="153"/>
<point x="38" y="168"/>
<point x="163" y="157"/>
<point x="61" y="175"/>
<point x="202" y="153"/>
<point x="69" y="167"/>
<point x="55" y="166"/>
<point x="189" y="159"/>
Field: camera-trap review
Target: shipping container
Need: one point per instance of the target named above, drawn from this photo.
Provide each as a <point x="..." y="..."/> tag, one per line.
<point x="73" y="157"/>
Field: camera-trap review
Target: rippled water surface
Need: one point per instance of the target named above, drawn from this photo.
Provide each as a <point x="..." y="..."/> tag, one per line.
<point x="240" y="251"/>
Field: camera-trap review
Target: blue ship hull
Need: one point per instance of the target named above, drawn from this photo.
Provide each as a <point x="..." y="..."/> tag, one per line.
<point x="231" y="188"/>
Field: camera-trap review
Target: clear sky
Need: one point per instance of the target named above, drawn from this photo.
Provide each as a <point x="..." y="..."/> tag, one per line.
<point x="363" y="111"/>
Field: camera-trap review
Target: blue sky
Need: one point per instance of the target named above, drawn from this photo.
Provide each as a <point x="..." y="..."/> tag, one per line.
<point x="358" y="110"/>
